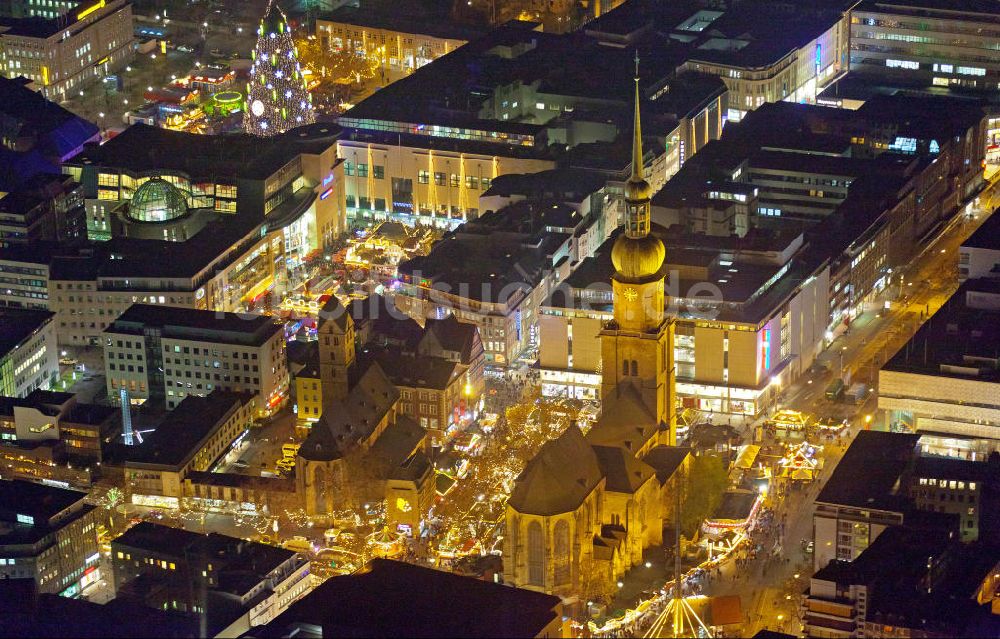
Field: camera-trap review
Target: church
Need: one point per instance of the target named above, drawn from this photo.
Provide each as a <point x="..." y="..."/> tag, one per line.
<point x="586" y="507"/>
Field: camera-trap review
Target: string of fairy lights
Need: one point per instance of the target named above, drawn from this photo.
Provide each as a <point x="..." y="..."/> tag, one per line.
<point x="277" y="98"/>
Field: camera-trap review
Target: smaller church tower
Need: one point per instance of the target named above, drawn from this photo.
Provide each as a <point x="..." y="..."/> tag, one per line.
<point x="336" y="350"/>
<point x="637" y="345"/>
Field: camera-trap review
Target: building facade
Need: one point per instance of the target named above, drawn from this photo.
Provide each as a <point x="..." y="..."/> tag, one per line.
<point x="928" y="43"/>
<point x="50" y="537"/>
<point x="397" y="46"/>
<point x="28" y="351"/>
<point x="943" y="383"/>
<point x="416" y="182"/>
<point x="46" y="207"/>
<point x="63" y="54"/>
<point x="194" y="570"/>
<point x="192" y="438"/>
<point x="785" y="71"/>
<point x="171" y="353"/>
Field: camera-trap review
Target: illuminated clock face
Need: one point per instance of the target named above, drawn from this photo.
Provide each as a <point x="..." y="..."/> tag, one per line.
<point x="257" y="108"/>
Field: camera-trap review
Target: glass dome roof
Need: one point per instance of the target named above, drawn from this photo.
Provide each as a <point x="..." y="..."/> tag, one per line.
<point x="157" y="201"/>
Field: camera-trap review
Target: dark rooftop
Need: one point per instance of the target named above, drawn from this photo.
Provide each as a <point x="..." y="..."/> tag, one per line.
<point x="623" y="472"/>
<point x="50" y="402"/>
<point x="37" y="500"/>
<point x="146" y="148"/>
<point x="355" y="605"/>
<point x="385" y="323"/>
<point x="55" y="132"/>
<point x="491" y="272"/>
<point x="188" y="323"/>
<point x="453" y="335"/>
<point x="241" y="565"/>
<point x="182" y="432"/>
<point x="28" y="613"/>
<point x="529" y="217"/>
<point x="956" y="468"/>
<point x="17" y="325"/>
<point x="561" y="183"/>
<point x="987" y="236"/>
<point x="960" y="341"/>
<point x="156" y="538"/>
<point x="409" y="370"/>
<point x="559" y="478"/>
<point x="665" y="460"/>
<point x="974" y="10"/>
<point x="868" y="472"/>
<point x="920" y="577"/>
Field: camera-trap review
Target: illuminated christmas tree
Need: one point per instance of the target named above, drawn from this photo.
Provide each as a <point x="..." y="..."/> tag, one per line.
<point x="277" y="99"/>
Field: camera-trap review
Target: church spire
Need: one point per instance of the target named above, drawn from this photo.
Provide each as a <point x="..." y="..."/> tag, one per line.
<point x="637" y="190"/>
<point x="637" y="131"/>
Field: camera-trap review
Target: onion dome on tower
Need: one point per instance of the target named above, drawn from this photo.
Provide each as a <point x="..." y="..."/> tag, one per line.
<point x="637" y="255"/>
<point x="277" y="99"/>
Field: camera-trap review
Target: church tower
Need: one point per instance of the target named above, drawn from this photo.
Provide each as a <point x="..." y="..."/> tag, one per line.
<point x="637" y="345"/>
<point x="335" y="334"/>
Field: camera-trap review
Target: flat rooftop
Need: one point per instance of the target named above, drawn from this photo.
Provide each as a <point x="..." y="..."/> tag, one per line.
<point x="239" y="562"/>
<point x="488" y="272"/>
<point x="219" y="243"/>
<point x="37" y="500"/>
<point x="141" y="148"/>
<point x="177" y="438"/>
<point x="156" y="538"/>
<point x="965" y="10"/>
<point x="868" y="472"/>
<point x="987" y="236"/>
<point x="17" y="325"/>
<point x="355" y="605"/>
<point x="960" y="341"/>
<point x="186" y="323"/>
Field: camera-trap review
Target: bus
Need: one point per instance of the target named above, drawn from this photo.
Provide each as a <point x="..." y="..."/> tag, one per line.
<point x="835" y="389"/>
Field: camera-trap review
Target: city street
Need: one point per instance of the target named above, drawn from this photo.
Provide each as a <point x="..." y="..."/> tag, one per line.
<point x="921" y="289"/>
<point x="771" y="588"/>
